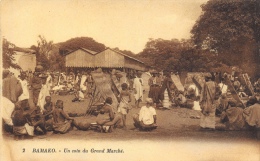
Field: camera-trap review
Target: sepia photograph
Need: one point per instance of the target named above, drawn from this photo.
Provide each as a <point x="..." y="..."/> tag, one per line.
<point x="137" y="80"/>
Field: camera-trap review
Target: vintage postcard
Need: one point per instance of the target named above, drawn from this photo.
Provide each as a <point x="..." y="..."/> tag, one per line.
<point x="137" y="80"/>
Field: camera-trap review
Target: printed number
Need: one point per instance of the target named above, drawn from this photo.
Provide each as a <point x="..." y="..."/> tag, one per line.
<point x="23" y="150"/>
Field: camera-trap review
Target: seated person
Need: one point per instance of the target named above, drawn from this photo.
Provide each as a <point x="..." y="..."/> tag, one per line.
<point x="62" y="123"/>
<point x="180" y="100"/>
<point x="107" y="118"/>
<point x="241" y="92"/>
<point x="35" y="118"/>
<point x="146" y="119"/>
<point x="20" y="125"/>
<point x="48" y="112"/>
<point x="232" y="117"/>
<point x="79" y="95"/>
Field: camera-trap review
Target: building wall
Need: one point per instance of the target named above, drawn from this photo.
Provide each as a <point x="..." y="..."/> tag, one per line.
<point x="109" y="59"/>
<point x="26" y="61"/>
<point x="133" y="64"/>
<point x="105" y="59"/>
<point x="80" y="58"/>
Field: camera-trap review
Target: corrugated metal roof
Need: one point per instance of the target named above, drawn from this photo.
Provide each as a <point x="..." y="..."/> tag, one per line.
<point x="86" y="50"/>
<point x="89" y="51"/>
<point x="123" y="55"/>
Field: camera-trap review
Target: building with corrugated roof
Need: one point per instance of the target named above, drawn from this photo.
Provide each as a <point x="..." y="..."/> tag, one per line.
<point x="84" y="58"/>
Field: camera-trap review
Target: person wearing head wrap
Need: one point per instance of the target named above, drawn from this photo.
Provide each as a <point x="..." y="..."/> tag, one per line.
<point x="208" y="102"/>
<point x="146" y="119"/>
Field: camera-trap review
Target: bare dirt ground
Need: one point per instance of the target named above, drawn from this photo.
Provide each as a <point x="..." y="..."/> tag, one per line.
<point x="176" y="123"/>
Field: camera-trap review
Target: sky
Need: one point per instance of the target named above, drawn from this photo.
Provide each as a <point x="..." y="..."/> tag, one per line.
<point x="126" y="24"/>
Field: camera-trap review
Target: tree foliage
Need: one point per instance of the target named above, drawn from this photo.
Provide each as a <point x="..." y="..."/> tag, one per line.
<point x="43" y="52"/>
<point x="176" y="55"/>
<point x="8" y="55"/>
<point x="84" y="42"/>
<point x="231" y="29"/>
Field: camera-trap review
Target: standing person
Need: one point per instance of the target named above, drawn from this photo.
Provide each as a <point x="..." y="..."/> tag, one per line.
<point x="124" y="105"/>
<point x="146" y="119"/>
<point x="36" y="87"/>
<point x="155" y="85"/>
<point x="29" y="78"/>
<point x="24" y="83"/>
<point x="138" y="89"/>
<point x="11" y="86"/>
<point x="89" y="82"/>
<point x="83" y="86"/>
<point x="208" y="102"/>
<point x="49" y="81"/>
<point x="48" y="112"/>
<point x="43" y="93"/>
<point x="70" y="81"/>
<point x="165" y="92"/>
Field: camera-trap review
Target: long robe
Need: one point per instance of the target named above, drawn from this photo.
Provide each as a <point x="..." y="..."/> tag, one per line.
<point x="25" y="94"/>
<point x="138" y="86"/>
<point x="43" y="93"/>
<point x="208" y="105"/>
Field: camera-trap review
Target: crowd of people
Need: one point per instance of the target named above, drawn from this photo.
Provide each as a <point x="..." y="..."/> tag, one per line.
<point x="212" y="98"/>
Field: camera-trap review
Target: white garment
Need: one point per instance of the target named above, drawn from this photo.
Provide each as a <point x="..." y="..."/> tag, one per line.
<point x="223" y="88"/>
<point x="58" y="87"/>
<point x="43" y="93"/>
<point x="7" y="110"/>
<point x="25" y="94"/>
<point x="81" y="95"/>
<point x="49" y="82"/>
<point x="146" y="115"/>
<point x="196" y="106"/>
<point x="138" y="86"/>
<point x="194" y="87"/>
<point x="82" y="83"/>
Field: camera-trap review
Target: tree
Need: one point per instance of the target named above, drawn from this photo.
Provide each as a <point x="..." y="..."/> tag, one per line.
<point x="231" y="29"/>
<point x="157" y="52"/>
<point x="43" y="51"/>
<point x="8" y="55"/>
<point x="84" y="42"/>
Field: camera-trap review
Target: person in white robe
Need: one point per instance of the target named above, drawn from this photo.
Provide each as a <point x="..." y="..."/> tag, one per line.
<point x="138" y="89"/>
<point x="43" y="93"/>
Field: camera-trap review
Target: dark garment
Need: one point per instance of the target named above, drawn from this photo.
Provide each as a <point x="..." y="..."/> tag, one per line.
<point x="12" y="88"/>
<point x="36" y="88"/>
<point x="167" y="82"/>
<point x="18" y="118"/>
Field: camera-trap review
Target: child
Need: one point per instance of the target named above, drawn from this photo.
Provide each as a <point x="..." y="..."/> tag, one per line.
<point x="36" y="119"/>
<point x="124" y="106"/>
<point x="48" y="112"/>
<point x="20" y="127"/>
